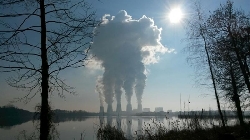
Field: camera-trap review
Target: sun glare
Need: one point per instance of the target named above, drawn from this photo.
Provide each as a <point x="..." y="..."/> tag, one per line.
<point x="175" y="15"/>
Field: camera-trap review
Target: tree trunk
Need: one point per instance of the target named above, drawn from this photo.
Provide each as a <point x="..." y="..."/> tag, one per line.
<point x="213" y="80"/>
<point x="44" y="115"/>
<point x="236" y="98"/>
<point x="215" y="92"/>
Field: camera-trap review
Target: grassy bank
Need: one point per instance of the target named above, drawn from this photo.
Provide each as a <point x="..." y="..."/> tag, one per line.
<point x="181" y="129"/>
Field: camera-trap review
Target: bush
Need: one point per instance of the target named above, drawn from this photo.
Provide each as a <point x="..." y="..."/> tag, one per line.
<point x="109" y="132"/>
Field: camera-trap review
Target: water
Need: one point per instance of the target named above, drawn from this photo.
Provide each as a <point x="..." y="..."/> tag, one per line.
<point x="71" y="129"/>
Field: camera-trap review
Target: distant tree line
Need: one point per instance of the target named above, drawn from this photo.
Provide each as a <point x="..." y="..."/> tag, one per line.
<point x="74" y="113"/>
<point x="14" y="112"/>
<point x="11" y="115"/>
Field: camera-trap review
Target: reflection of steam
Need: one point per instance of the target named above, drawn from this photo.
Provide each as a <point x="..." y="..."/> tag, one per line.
<point x="118" y="122"/>
<point x="129" y="125"/>
<point x="124" y="46"/>
<point x="101" y="119"/>
<point x="139" y="130"/>
<point x="109" y="120"/>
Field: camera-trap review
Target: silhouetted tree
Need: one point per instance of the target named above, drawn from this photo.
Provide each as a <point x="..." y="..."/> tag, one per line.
<point x="225" y="34"/>
<point x="227" y="28"/>
<point x="200" y="56"/>
<point x="231" y="27"/>
<point x="39" y="39"/>
<point x="229" y="79"/>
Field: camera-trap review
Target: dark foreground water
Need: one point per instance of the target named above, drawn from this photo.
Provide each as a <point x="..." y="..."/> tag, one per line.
<point x="71" y="129"/>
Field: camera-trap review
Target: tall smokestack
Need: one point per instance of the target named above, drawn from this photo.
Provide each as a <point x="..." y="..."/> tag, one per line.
<point x="99" y="89"/>
<point x="101" y="110"/>
<point x="129" y="108"/>
<point x="108" y="86"/>
<point x="128" y="87"/>
<point x="118" y="93"/>
<point x="109" y="109"/>
<point x="140" y="85"/>
<point x="139" y="109"/>
<point x="119" y="108"/>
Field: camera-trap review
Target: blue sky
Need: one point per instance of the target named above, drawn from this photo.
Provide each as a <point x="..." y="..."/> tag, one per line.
<point x="166" y="79"/>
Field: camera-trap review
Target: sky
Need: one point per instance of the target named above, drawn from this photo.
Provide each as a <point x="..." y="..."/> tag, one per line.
<point x="162" y="68"/>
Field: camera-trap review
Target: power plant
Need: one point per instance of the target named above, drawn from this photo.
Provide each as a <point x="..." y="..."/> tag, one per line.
<point x="122" y="55"/>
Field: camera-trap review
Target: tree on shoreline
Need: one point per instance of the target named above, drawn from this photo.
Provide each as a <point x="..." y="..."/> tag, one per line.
<point x="40" y="39"/>
<point x="230" y="48"/>
<point x="225" y="36"/>
<point x="199" y="53"/>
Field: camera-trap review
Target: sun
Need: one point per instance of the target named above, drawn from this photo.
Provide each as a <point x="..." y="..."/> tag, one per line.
<point x="175" y="15"/>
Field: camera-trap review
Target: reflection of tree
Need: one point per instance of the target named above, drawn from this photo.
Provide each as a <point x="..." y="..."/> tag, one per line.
<point x="64" y="115"/>
<point x="11" y="111"/>
<point x="73" y="114"/>
<point x="9" y="122"/>
<point x="11" y="116"/>
<point x="65" y="119"/>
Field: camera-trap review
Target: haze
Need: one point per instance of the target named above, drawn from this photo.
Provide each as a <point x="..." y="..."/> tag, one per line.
<point x="138" y="62"/>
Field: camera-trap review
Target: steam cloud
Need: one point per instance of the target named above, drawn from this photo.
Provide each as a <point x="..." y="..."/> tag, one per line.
<point x="123" y="46"/>
<point x="98" y="89"/>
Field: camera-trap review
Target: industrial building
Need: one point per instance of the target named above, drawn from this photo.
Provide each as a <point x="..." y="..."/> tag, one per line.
<point x="158" y="109"/>
<point x="146" y="110"/>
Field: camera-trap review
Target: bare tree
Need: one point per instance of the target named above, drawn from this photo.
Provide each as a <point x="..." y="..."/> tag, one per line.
<point x="198" y="49"/>
<point x="228" y="77"/>
<point x="38" y="40"/>
<point x="232" y="25"/>
<point x="230" y="48"/>
<point x="226" y="46"/>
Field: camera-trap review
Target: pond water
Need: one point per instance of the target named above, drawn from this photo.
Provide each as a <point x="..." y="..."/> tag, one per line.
<point x="71" y="129"/>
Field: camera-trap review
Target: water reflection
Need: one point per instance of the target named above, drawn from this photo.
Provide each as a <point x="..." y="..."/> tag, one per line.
<point x="9" y="122"/>
<point x="71" y="128"/>
<point x="109" y="120"/>
<point x="129" y="126"/>
<point x="139" y="130"/>
<point x="119" y="122"/>
<point x="66" y="119"/>
<point x="101" y="120"/>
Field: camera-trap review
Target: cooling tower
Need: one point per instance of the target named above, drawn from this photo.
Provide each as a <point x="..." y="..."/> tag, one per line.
<point x="118" y="108"/>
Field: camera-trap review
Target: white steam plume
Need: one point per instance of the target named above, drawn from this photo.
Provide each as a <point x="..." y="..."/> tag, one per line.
<point x="124" y="46"/>
<point x="99" y="90"/>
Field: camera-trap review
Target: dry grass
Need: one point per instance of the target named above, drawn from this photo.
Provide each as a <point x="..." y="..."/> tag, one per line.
<point x="180" y="129"/>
